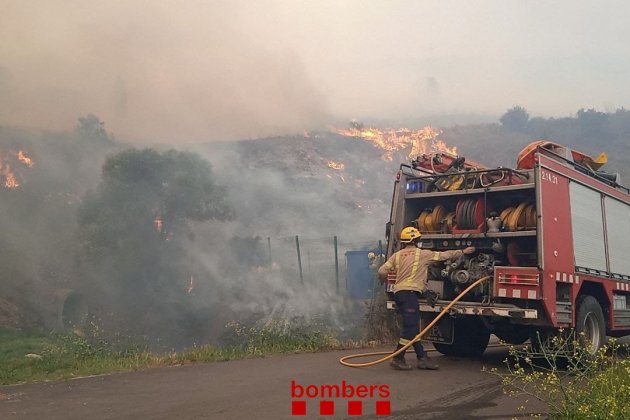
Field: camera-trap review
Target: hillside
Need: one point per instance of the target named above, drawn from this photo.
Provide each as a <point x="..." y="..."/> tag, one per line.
<point x="590" y="131"/>
<point x="314" y="186"/>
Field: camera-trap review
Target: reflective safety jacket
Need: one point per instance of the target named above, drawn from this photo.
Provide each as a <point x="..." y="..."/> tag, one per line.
<point x="410" y="265"/>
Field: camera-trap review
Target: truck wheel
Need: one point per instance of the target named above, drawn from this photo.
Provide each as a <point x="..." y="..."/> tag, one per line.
<point x="542" y="340"/>
<point x="518" y="334"/>
<point x="471" y="338"/>
<point x="551" y="347"/>
<point x="590" y="325"/>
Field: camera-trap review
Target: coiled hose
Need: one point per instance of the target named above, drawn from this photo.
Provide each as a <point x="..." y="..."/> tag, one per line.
<point x="344" y="359"/>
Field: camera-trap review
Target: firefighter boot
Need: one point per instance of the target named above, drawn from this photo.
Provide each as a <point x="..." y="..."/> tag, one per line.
<point x="425" y="363"/>
<point x="399" y="364"/>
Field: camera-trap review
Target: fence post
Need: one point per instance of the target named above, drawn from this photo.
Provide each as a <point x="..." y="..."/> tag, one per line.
<point x="269" y="248"/>
<point x="336" y="265"/>
<point x="297" y="247"/>
<point x="308" y="260"/>
<point x="378" y="261"/>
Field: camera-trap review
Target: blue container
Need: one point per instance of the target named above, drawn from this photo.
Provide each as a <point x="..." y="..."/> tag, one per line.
<point x="414" y="187"/>
<point x="361" y="280"/>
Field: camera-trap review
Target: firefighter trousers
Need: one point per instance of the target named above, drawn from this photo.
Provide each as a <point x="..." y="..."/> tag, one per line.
<point x="407" y="302"/>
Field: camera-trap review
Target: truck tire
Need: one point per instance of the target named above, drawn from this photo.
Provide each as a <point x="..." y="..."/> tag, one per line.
<point x="590" y="325"/>
<point x="470" y="338"/>
<point x="542" y="339"/>
<point x="518" y="334"/>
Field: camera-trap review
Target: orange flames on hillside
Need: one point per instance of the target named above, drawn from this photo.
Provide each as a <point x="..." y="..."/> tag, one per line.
<point x="423" y="141"/>
<point x="25" y="159"/>
<point x="335" y="165"/>
<point x="7" y="176"/>
<point x="9" y="181"/>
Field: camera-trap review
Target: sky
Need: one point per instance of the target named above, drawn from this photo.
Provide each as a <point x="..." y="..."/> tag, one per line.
<point x="188" y="71"/>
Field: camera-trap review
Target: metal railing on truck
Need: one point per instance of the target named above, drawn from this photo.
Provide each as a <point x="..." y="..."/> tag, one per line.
<point x="606" y="178"/>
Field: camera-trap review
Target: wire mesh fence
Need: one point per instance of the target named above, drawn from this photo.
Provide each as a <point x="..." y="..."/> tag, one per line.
<point x="320" y="262"/>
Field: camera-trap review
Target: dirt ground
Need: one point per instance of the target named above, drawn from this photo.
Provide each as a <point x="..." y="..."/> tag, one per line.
<point x="262" y="389"/>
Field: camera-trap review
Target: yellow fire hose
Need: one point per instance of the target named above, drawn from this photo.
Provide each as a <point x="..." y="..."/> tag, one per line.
<point x="415" y="339"/>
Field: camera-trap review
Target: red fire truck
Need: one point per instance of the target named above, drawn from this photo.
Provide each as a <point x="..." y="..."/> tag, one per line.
<point x="551" y="234"/>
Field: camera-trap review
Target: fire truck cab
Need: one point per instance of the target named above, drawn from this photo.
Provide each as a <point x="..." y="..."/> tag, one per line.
<point x="551" y="235"/>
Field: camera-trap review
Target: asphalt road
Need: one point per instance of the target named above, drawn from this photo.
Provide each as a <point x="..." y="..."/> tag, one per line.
<point x="262" y="389"/>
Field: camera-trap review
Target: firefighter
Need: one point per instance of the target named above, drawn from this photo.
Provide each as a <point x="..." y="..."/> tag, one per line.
<point x="410" y="265"/>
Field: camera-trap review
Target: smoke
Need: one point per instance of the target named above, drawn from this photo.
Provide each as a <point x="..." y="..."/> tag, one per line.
<point x="248" y="291"/>
<point x="155" y="72"/>
<point x="169" y="72"/>
<point x="37" y="245"/>
<point x="177" y="73"/>
<point x="247" y="269"/>
<point x="209" y="273"/>
<point x="284" y="188"/>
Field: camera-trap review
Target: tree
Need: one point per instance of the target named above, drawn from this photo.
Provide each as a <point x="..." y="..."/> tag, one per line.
<point x="515" y="119"/>
<point x="91" y="128"/>
<point x="592" y="123"/>
<point x="134" y="227"/>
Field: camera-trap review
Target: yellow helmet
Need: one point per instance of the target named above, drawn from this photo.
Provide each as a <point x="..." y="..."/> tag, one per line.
<point x="409" y="234"/>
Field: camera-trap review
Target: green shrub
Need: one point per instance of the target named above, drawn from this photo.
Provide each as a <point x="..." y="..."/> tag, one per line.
<point x="28" y="356"/>
<point x="574" y="383"/>
<point x="278" y="336"/>
<point x="381" y="324"/>
<point x="90" y="351"/>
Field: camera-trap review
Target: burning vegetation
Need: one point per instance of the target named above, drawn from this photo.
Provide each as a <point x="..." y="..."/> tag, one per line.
<point x="157" y="261"/>
<point x="336" y="165"/>
<point x="7" y="162"/>
<point x="392" y="140"/>
<point x="25" y="159"/>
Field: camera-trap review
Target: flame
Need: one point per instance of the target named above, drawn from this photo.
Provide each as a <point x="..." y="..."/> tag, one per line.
<point x="10" y="181"/>
<point x="7" y="176"/>
<point x="335" y="165"/>
<point x="423" y="141"/>
<point x="7" y="173"/>
<point x="25" y="159"/>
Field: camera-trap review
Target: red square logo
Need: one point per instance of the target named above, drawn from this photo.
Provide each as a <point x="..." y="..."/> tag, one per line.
<point x="383" y="408"/>
<point x="355" y="408"/>
<point x="298" y="408"/>
<point x="326" y="408"/>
